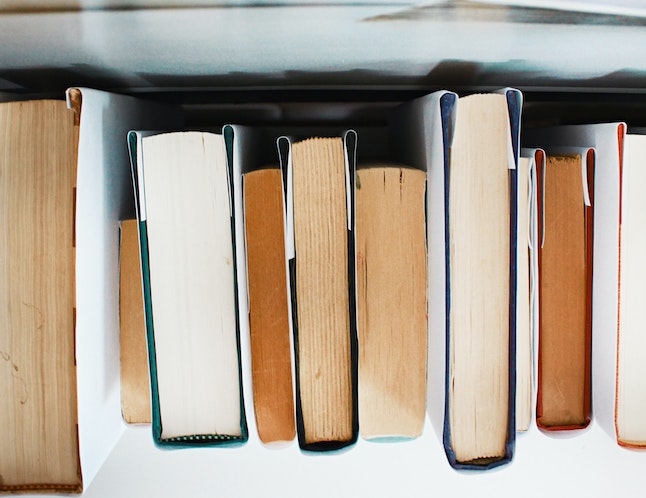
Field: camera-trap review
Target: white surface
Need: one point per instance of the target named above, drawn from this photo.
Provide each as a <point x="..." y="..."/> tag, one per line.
<point x="417" y="130"/>
<point x="26" y="5"/>
<point x="625" y="7"/>
<point x="370" y="45"/>
<point x="97" y="259"/>
<point x="104" y="195"/>
<point x="620" y="7"/>
<point x="588" y="464"/>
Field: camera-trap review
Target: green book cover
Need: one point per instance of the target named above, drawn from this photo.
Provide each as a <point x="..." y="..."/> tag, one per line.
<point x="185" y="440"/>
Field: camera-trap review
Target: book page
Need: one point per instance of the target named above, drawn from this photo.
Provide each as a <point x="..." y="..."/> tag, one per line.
<point x="563" y="334"/>
<point x="271" y="360"/>
<point x="192" y="284"/>
<point x="391" y="300"/>
<point x="135" y="379"/>
<point x="479" y="245"/>
<point x="320" y="235"/>
<point x="39" y="445"/>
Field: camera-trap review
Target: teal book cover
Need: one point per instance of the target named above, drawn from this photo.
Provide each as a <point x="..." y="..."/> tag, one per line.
<point x="188" y="439"/>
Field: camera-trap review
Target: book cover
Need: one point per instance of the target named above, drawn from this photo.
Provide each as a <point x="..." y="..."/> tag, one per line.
<point x="104" y="120"/>
<point x="630" y="398"/>
<point x="230" y="386"/>
<point x="38" y="374"/>
<point x="432" y="119"/>
<point x="421" y="132"/>
<point x="390" y="228"/>
<point x="257" y="173"/>
<point x="527" y="339"/>
<point x="566" y="223"/>
<point x="608" y="141"/>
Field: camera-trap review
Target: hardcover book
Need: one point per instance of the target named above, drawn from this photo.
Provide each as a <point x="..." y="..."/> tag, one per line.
<point x="527" y="321"/>
<point x="269" y="313"/>
<point x="135" y="377"/>
<point x="104" y="120"/>
<point x="566" y="195"/>
<point x="471" y="148"/>
<point x="39" y="440"/>
<point x="391" y="300"/>
<point x="607" y="139"/>
<point x="630" y="402"/>
<point x="320" y="245"/>
<point x="186" y="231"/>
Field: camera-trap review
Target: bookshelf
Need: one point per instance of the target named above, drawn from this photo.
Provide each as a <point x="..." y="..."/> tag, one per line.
<point x="334" y="65"/>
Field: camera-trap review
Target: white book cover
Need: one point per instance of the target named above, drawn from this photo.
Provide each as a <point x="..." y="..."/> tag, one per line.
<point x="104" y="196"/>
<point x="607" y="139"/>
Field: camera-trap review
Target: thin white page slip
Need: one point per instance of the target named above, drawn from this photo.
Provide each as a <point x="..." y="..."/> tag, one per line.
<point x="607" y="139"/>
<point x="284" y="149"/>
<point x="524" y="352"/>
<point x="419" y="133"/>
<point x="242" y="149"/>
<point x="630" y="408"/>
<point x="587" y="154"/>
<point x="104" y="196"/>
<point x="426" y="126"/>
<point x="192" y="284"/>
<point x="537" y="161"/>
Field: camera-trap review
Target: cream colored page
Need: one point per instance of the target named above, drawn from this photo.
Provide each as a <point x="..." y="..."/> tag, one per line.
<point x="192" y="283"/>
<point x="631" y="367"/>
<point x="38" y="408"/>
<point x="320" y="228"/>
<point x="479" y="278"/>
<point x="391" y="300"/>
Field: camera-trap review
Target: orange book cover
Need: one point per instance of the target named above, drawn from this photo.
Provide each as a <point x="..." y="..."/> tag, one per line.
<point x="565" y="296"/>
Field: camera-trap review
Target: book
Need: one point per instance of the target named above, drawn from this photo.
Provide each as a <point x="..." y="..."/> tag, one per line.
<point x="104" y="197"/>
<point x="38" y="394"/>
<point x="270" y="330"/>
<point x="186" y="231"/>
<point x="630" y="402"/>
<point x="390" y="231"/>
<point x="607" y="139"/>
<point x="565" y="297"/>
<point x="481" y="282"/>
<point x="526" y="293"/>
<point x="319" y="213"/>
<point x="419" y="135"/>
<point x="135" y="377"/>
<point x="470" y="148"/>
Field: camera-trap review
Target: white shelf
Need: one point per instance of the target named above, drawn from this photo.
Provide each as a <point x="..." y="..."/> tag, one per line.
<point x="587" y="464"/>
<point x="320" y="46"/>
<point x="342" y="47"/>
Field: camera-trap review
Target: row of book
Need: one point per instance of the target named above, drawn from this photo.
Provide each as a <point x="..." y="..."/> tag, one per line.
<point x="460" y="256"/>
